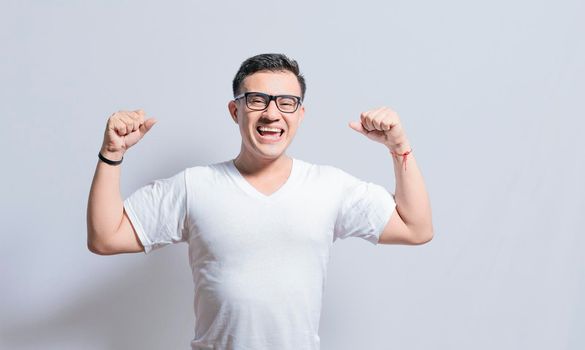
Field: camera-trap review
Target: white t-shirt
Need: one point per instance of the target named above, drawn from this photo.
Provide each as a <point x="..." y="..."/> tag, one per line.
<point x="259" y="261"/>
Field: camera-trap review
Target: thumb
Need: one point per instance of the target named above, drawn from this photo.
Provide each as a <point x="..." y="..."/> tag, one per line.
<point x="147" y="125"/>
<point x="357" y="126"/>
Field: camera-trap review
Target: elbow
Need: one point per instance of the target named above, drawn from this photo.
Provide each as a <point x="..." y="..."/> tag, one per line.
<point x="424" y="237"/>
<point x="95" y="247"/>
<point x="92" y="247"/>
<point x="91" y="244"/>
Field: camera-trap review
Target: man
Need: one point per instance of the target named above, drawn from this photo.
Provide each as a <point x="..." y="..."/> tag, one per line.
<point x="259" y="227"/>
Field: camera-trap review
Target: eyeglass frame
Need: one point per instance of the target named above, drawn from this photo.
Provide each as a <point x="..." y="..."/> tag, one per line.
<point x="270" y="98"/>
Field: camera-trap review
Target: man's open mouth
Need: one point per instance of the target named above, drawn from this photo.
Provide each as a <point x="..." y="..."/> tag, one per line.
<point x="271" y="133"/>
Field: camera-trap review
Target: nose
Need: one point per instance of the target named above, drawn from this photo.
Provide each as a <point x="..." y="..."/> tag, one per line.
<point x="272" y="110"/>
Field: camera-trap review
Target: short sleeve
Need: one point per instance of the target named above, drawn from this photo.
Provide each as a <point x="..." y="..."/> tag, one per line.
<point x="364" y="210"/>
<point x="158" y="212"/>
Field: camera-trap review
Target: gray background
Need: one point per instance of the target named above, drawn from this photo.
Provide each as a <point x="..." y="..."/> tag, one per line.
<point x="491" y="98"/>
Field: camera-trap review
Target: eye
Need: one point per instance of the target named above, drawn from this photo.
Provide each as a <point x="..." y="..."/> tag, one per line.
<point x="287" y="101"/>
<point x="256" y="100"/>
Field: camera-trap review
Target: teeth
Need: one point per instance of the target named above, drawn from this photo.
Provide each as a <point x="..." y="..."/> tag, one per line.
<point x="263" y="128"/>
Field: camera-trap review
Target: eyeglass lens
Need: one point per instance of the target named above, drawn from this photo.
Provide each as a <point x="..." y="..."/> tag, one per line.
<point x="260" y="102"/>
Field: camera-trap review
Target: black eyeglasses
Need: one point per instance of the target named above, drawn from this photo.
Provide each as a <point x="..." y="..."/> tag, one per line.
<point x="258" y="101"/>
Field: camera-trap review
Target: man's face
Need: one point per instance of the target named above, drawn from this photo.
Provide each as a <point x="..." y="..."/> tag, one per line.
<point x="264" y="144"/>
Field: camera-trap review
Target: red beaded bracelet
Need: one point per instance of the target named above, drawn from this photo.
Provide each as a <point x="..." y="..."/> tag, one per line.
<point x="404" y="155"/>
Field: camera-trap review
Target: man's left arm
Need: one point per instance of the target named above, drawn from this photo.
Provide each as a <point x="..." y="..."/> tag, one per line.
<point x="411" y="222"/>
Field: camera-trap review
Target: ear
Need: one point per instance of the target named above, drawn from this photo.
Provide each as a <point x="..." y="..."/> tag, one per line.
<point x="233" y="109"/>
<point x="301" y="113"/>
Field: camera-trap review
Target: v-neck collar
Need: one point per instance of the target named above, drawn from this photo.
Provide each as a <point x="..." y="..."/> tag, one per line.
<point x="252" y="191"/>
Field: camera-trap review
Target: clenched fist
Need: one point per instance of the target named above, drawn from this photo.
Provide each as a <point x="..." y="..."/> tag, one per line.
<point x="383" y="125"/>
<point x="123" y="130"/>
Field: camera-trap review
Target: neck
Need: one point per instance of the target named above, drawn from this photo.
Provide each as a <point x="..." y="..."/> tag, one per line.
<point x="251" y="165"/>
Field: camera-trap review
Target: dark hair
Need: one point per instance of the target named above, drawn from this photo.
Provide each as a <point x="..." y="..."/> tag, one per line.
<point x="272" y="62"/>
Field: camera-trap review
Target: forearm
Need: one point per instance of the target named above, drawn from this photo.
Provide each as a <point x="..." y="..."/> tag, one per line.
<point x="412" y="199"/>
<point x="105" y="205"/>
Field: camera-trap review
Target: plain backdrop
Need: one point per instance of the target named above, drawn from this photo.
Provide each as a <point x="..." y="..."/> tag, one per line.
<point x="491" y="95"/>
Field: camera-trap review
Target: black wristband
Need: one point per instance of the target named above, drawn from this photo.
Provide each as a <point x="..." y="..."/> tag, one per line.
<point x="111" y="162"/>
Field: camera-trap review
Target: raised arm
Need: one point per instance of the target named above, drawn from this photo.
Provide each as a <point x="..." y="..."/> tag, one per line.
<point x="411" y="222"/>
<point x="109" y="230"/>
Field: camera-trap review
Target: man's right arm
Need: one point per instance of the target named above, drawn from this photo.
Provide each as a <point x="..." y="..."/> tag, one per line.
<point x="109" y="230"/>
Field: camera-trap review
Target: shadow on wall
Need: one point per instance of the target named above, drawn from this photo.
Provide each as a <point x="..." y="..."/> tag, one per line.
<point x="148" y="307"/>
